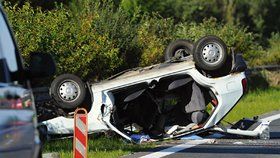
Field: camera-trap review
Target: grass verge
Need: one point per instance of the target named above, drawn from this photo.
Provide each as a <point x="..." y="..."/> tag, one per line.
<point x="100" y="147"/>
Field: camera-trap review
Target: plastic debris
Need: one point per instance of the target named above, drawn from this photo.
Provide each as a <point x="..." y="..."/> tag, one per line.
<point x="140" y="138"/>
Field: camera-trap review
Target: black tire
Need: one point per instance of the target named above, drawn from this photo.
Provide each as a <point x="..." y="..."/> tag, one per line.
<point x="210" y="53"/>
<point x="68" y="91"/>
<point x="178" y="49"/>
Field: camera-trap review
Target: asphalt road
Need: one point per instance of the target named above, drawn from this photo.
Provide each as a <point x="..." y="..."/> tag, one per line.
<point x="219" y="148"/>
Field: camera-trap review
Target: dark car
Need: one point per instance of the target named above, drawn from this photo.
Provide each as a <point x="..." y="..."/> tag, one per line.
<point x="19" y="136"/>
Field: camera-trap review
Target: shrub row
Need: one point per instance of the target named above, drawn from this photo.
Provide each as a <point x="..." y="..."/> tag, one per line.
<point x="96" y="40"/>
<point x="76" y="45"/>
<point x="272" y="54"/>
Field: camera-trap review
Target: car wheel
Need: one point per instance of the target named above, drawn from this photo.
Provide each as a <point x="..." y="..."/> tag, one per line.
<point x="210" y="53"/>
<point x="179" y="49"/>
<point x="68" y="91"/>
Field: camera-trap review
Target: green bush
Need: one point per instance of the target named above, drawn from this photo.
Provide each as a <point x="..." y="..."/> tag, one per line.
<point x="272" y="54"/>
<point x="141" y="38"/>
<point x="76" y="45"/>
<point x="121" y="30"/>
<point x="153" y="35"/>
<point x="95" y="39"/>
<point x="93" y="43"/>
<point x="232" y="35"/>
<point x="268" y="56"/>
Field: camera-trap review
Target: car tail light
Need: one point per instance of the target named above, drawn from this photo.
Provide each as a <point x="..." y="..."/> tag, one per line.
<point x="244" y="85"/>
<point x="11" y="104"/>
<point x="18" y="104"/>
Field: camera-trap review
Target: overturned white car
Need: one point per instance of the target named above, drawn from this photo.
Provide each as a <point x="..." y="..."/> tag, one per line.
<point x="192" y="91"/>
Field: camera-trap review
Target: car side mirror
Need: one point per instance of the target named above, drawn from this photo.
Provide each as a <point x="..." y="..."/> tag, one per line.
<point x="41" y="65"/>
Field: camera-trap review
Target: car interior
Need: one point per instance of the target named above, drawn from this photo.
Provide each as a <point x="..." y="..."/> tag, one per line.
<point x="173" y="105"/>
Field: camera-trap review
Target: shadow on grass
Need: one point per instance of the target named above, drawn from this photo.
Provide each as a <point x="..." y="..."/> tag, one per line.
<point x="257" y="80"/>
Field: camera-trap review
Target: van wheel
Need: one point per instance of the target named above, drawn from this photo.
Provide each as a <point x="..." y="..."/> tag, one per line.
<point x="179" y="49"/>
<point x="210" y="53"/>
<point x="68" y="91"/>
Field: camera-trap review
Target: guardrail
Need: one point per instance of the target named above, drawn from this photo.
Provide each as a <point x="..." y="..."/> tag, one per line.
<point x="266" y="67"/>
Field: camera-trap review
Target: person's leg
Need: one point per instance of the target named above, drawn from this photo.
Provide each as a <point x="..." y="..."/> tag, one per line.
<point x="158" y="127"/>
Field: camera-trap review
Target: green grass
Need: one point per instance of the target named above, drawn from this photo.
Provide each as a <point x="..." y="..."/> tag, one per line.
<point x="254" y="103"/>
<point x="100" y="147"/>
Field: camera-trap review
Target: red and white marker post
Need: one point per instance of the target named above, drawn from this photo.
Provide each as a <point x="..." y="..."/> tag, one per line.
<point x="80" y="140"/>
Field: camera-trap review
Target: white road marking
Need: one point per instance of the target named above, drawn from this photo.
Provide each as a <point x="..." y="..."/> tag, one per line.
<point x="176" y="148"/>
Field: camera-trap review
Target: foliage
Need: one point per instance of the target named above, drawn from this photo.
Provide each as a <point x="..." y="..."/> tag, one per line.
<point x="45" y="5"/>
<point x="94" y="42"/>
<point x="121" y="30"/>
<point x="191" y="10"/>
<point x="76" y="45"/>
<point x="258" y="15"/>
<point x="272" y="55"/>
<point x="153" y="35"/>
<point x="94" y="38"/>
<point x="232" y="35"/>
<point x="140" y="38"/>
<point x="248" y="16"/>
<point x="267" y="56"/>
<point x="236" y="37"/>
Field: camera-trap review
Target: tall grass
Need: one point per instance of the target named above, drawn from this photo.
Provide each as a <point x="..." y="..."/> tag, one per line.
<point x="99" y="147"/>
